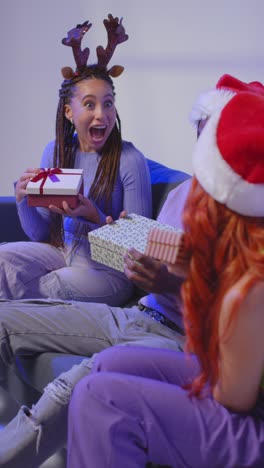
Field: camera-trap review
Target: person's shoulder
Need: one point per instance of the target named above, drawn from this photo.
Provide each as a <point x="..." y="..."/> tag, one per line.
<point x="249" y="304"/>
<point x="254" y="298"/>
<point x="49" y="146"/>
<point x="180" y="192"/>
<point x="47" y="155"/>
<point x="129" y="150"/>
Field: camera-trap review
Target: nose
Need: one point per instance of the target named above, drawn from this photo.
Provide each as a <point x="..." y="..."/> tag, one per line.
<point x="99" y="111"/>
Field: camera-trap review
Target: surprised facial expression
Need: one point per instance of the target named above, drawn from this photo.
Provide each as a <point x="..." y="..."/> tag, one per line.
<point x="92" y="109"/>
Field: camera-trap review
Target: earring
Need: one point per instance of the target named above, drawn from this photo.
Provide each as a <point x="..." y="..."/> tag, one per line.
<point x="71" y="120"/>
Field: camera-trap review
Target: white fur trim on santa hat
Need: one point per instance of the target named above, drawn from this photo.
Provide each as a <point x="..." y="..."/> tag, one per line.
<point x="220" y="180"/>
<point x="208" y="102"/>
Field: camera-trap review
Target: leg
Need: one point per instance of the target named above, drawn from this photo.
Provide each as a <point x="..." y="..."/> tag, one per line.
<point x="82" y="279"/>
<point x="35" y="434"/>
<point x="22" y="264"/>
<point x="39" y="326"/>
<point x="151" y="363"/>
<point x="31" y="327"/>
<point x="87" y="284"/>
<point x="121" y="420"/>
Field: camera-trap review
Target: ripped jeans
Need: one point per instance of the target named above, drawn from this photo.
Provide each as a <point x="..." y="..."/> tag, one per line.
<point x="37" y="433"/>
<point x="31" y="327"/>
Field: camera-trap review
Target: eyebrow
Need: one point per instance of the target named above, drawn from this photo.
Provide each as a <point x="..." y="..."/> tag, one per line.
<point x="94" y="97"/>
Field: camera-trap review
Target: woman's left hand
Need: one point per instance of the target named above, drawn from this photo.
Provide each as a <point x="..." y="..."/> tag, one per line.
<point x="149" y="274"/>
<point x="85" y="209"/>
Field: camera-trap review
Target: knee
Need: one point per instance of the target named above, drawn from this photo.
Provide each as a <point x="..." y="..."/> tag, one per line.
<point x="110" y="359"/>
<point x="122" y="359"/>
<point x="92" y="384"/>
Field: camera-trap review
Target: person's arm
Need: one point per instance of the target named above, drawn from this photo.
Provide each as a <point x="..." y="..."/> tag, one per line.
<point x="135" y="178"/>
<point x="35" y="221"/>
<point x="152" y="275"/>
<point x="135" y="193"/>
<point x="241" y="362"/>
<point x="171" y="212"/>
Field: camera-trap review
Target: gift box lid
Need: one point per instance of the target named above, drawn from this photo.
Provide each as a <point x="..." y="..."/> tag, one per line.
<point x="56" y="181"/>
<point x="164" y="245"/>
<point x="125" y="233"/>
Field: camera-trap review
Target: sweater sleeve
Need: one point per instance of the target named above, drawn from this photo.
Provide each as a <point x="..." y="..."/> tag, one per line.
<point x="172" y="210"/>
<point x="136" y="182"/>
<point x="35" y="221"/>
<point x="133" y="191"/>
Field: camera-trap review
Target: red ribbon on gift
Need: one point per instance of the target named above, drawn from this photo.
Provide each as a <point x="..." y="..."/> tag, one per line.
<point x="44" y="174"/>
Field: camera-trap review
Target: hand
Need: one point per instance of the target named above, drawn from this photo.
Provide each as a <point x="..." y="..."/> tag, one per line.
<point x="109" y="219"/>
<point x="149" y="274"/>
<point x="20" y="190"/>
<point x="85" y="209"/>
<point x="181" y="266"/>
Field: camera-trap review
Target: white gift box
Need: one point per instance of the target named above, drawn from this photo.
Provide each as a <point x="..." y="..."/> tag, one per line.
<point x="110" y="242"/>
<point x="52" y="186"/>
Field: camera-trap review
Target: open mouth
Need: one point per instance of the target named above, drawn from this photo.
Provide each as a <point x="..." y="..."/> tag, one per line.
<point x="98" y="132"/>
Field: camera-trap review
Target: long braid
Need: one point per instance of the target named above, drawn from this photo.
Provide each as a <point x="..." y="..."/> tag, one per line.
<point x="107" y="170"/>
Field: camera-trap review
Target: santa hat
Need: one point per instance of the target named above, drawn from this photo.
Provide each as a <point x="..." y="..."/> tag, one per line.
<point x="228" y="158"/>
<point x="226" y="87"/>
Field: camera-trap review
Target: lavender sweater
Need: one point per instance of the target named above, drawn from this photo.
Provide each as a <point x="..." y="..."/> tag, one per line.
<point x="132" y="192"/>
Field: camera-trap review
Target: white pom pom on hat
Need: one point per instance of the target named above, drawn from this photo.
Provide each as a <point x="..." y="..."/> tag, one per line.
<point x="227" y="86"/>
<point x="228" y="159"/>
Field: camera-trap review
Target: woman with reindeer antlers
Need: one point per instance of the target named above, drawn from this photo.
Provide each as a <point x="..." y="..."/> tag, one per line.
<point x="57" y="262"/>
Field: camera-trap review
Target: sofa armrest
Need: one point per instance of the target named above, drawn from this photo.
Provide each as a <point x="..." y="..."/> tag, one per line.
<point x="11" y="229"/>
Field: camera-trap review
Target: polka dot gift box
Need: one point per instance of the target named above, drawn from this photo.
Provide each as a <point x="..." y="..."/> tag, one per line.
<point x="110" y="242"/>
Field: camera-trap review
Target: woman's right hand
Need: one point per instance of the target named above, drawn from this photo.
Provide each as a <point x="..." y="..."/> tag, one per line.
<point x="109" y="219"/>
<point x="21" y="184"/>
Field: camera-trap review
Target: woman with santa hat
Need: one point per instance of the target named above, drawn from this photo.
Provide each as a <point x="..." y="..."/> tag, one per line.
<point x="205" y="407"/>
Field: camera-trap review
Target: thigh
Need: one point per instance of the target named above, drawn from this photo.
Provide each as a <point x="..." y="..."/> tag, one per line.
<point x="153" y="363"/>
<point x="135" y="420"/>
<point x="87" y="284"/>
<point x="37" y="326"/>
<point x="141" y="330"/>
<point x="21" y="266"/>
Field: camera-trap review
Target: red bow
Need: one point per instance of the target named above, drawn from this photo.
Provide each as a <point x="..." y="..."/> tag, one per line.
<point x="44" y="174"/>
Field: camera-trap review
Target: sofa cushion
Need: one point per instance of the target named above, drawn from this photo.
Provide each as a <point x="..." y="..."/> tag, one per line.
<point x="11" y="230"/>
<point x="163" y="180"/>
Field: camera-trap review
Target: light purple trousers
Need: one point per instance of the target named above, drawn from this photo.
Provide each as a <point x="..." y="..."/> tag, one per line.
<point x="38" y="270"/>
<point x="137" y="412"/>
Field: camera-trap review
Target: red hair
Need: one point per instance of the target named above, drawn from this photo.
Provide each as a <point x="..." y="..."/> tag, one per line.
<point x="223" y="246"/>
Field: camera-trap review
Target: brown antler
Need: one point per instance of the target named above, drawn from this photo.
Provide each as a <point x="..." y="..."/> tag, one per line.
<point x="74" y="40"/>
<point x="116" y="35"/>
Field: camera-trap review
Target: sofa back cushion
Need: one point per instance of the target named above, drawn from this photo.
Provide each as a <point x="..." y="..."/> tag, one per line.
<point x="163" y="180"/>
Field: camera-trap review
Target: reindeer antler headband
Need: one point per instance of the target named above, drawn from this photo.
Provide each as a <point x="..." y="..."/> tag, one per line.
<point x="116" y="35"/>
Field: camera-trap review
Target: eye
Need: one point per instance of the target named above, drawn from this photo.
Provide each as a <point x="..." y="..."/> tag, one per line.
<point x="109" y="104"/>
<point x="89" y="105"/>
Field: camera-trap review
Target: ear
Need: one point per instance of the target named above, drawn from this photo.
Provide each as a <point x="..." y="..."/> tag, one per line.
<point x="115" y="71"/>
<point x="68" y="111"/>
<point x="67" y="73"/>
